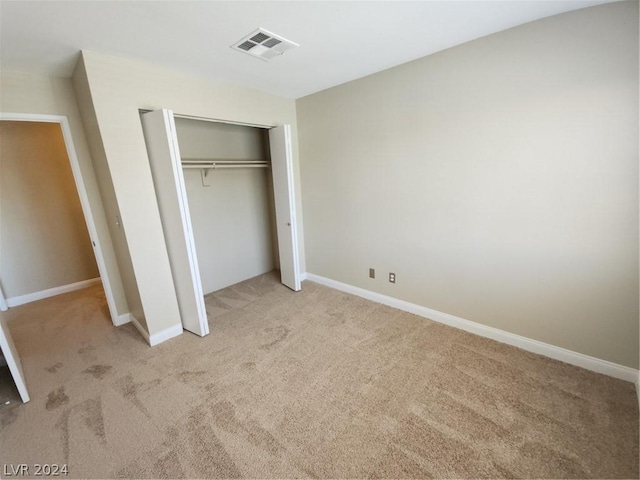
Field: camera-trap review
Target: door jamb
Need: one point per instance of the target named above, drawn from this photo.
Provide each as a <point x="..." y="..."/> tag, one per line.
<point x="63" y="121"/>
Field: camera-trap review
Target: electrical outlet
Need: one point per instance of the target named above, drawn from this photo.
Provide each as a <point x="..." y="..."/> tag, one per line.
<point x="392" y="277"/>
<point x="372" y="273"/>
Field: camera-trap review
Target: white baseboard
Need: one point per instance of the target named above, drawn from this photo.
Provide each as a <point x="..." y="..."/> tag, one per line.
<point x="122" y="319"/>
<point x="156" y="338"/>
<point x="165" y="335"/>
<point x="51" y="292"/>
<point x="303" y="276"/>
<point x="574" y="358"/>
<point x="138" y="326"/>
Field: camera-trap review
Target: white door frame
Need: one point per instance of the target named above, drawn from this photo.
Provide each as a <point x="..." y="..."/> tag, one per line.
<point x="63" y="121"/>
<point x="3" y="302"/>
<point x="8" y="349"/>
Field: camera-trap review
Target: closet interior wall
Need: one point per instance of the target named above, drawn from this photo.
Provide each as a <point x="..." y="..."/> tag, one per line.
<point x="233" y="218"/>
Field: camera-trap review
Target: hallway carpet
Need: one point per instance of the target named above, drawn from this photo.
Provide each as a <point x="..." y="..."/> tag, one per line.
<point x="316" y="384"/>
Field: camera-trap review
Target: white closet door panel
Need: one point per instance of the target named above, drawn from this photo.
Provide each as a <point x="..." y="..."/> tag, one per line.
<point x="13" y="361"/>
<point x="166" y="168"/>
<point x="282" y="171"/>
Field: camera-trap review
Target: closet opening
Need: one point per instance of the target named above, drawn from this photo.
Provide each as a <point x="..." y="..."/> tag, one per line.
<point x="230" y="194"/>
<point x="226" y="200"/>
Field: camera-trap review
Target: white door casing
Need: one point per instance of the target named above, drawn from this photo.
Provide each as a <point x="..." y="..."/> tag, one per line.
<point x="3" y="302"/>
<point x="13" y="361"/>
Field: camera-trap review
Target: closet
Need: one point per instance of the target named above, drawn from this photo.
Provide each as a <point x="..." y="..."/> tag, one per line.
<point x="226" y="200"/>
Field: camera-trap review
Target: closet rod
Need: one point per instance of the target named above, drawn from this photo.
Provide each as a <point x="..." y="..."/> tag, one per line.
<point x="208" y="161"/>
<point x="216" y="166"/>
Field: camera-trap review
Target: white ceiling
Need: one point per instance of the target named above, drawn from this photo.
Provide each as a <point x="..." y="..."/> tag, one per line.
<point x="339" y="40"/>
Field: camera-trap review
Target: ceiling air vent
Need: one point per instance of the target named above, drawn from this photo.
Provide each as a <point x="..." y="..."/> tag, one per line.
<point x="264" y="45"/>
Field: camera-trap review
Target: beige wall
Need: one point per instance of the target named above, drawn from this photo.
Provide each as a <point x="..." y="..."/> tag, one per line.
<point x="44" y="241"/>
<point x="232" y="218"/>
<point x="118" y="88"/>
<point x="107" y="193"/>
<point x="497" y="179"/>
<point x="35" y="94"/>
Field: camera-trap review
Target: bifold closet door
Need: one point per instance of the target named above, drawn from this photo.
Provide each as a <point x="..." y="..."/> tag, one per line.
<point x="285" y="205"/>
<point x="166" y="169"/>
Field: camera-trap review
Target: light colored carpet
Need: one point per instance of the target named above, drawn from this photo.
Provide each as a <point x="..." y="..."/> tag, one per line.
<point x="317" y="383"/>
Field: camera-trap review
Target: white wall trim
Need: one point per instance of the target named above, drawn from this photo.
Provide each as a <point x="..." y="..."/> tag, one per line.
<point x="303" y="277"/>
<point x="82" y="194"/>
<point x="3" y="303"/>
<point x="10" y="354"/>
<point x="122" y="319"/>
<point x="574" y="358"/>
<point x="156" y="338"/>
<point x="165" y="335"/>
<point x="50" y="292"/>
<point x="138" y="326"/>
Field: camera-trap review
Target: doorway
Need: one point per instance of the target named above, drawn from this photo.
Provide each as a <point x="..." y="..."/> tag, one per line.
<point x="84" y="214"/>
